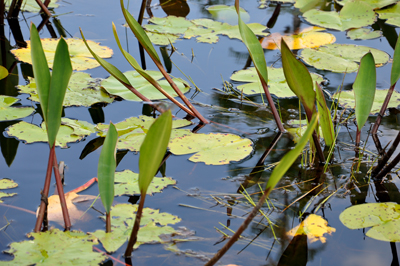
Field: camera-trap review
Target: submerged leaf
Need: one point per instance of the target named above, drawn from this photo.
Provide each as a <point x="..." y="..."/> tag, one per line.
<point x="213" y="148"/>
<point x="310" y="37"/>
<point x="315" y="227"/>
<point x="79" y="54"/>
<point x="341" y="57"/>
<point x="7" y="184"/>
<point x="11" y="113"/>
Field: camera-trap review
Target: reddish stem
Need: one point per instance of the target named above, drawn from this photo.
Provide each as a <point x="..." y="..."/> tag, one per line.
<point x="136" y="226"/>
<point x="108" y="222"/>
<point x="61" y="194"/>
<point x="383" y="109"/>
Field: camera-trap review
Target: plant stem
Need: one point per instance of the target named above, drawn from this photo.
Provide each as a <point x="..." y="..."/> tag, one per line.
<point x="60" y="189"/>
<point x="387" y="169"/>
<point x="383" y="109"/>
<point x="387" y="156"/>
<point x="45" y="193"/>
<point x="108" y="222"/>
<point x="136" y="226"/>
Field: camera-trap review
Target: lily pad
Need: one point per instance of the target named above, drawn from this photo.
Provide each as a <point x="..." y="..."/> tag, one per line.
<point x="11" y="113"/>
<point x="392" y="14"/>
<point x="355" y="14"/>
<point x="297" y="128"/>
<point x="7" y="184"/>
<point x="126" y="183"/>
<point x="55" y="247"/>
<point x="363" y="34"/>
<point x="227" y="14"/>
<point x="277" y="84"/>
<point x="114" y="87"/>
<point x="346" y="99"/>
<point x="82" y="91"/>
<point x="310" y="37"/>
<point x="315" y="227"/>
<point x="81" y="58"/>
<point x="31" y="5"/>
<point x="382" y="217"/>
<point x="132" y="131"/>
<point x="215" y="149"/>
<point x="72" y="131"/>
<point x="341" y="57"/>
<point x="375" y="4"/>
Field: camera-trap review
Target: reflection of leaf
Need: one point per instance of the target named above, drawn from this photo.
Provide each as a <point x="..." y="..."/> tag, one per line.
<point x="80" y="56"/>
<point x="215" y="149"/>
<point x="363" y="34"/>
<point x="126" y="183"/>
<point x="355" y="14"/>
<point x="382" y="217"/>
<point x="310" y="37"/>
<point x="11" y="113"/>
<point x="55" y="247"/>
<point x="392" y="14"/>
<point x="7" y="184"/>
<point x="346" y="99"/>
<point x="341" y="57"/>
<point x="276" y="82"/>
<point x="82" y="91"/>
<point x="314" y="226"/>
<point x="113" y="86"/>
<point x="375" y="4"/>
<point x="31" y="5"/>
<point x="9" y="146"/>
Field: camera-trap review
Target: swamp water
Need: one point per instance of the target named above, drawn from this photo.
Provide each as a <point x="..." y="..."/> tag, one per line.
<point x="207" y="197"/>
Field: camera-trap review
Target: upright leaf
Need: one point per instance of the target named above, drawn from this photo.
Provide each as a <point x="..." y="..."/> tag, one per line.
<point x="40" y="70"/>
<point x="298" y="79"/>
<point x="62" y="71"/>
<point x="326" y="121"/>
<point x="106" y="168"/>
<point x="153" y="149"/>
<point x="395" y="75"/>
<point x="364" y="89"/>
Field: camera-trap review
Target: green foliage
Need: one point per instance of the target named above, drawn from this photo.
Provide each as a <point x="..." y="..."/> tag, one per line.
<point x="31" y="5"/>
<point x="391" y="14"/>
<point x="395" y="74"/>
<point x="7" y="184"/>
<point x="7" y="112"/>
<point x="326" y="120"/>
<point x="363" y="34"/>
<point x="375" y="4"/>
<point x="227" y="13"/>
<point x="364" y="89"/>
<point x="106" y="168"/>
<point x="3" y="72"/>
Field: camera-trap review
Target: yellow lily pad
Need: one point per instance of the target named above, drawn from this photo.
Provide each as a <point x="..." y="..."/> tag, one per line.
<point x="315" y="227"/>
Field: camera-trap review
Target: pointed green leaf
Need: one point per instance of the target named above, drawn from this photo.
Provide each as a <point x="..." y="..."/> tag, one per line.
<point x="40" y="69"/>
<point x="326" y="121"/>
<point x="153" y="149"/>
<point x="62" y="70"/>
<point x="140" y="33"/>
<point x="364" y="89"/>
<point x="106" y="168"/>
<point x="298" y="79"/>
<point x="395" y="75"/>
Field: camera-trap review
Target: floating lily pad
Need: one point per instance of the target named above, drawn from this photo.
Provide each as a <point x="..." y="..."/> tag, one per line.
<point x="355" y="14"/>
<point x="310" y="37"/>
<point x="315" y="227"/>
<point x="11" y="113"/>
<point x="113" y="86"/>
<point x="375" y="4"/>
<point x="392" y="14"/>
<point x="363" y="34"/>
<point x="3" y="72"/>
<point x="126" y="183"/>
<point x="227" y="14"/>
<point x="31" y="5"/>
<point x="132" y="131"/>
<point x="153" y="224"/>
<point x="7" y="184"/>
<point x="277" y="84"/>
<point x="384" y="218"/>
<point x="81" y="58"/>
<point x="82" y="91"/>
<point x="346" y="99"/>
<point x="263" y="3"/>
<point x="55" y="247"/>
<point x="341" y="57"/>
<point x="72" y="131"/>
<point x="215" y="149"/>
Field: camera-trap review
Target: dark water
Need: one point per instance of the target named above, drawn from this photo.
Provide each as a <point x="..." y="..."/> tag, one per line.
<point x="212" y="61"/>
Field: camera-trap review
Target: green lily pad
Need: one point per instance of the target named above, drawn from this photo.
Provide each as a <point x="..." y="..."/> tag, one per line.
<point x="71" y="131"/>
<point x="55" y="247"/>
<point x="11" y="113"/>
<point x="113" y="86"/>
<point x="31" y="5"/>
<point x="153" y="224"/>
<point x="3" y="72"/>
<point x="162" y="38"/>
<point x="346" y="99"/>
<point x="126" y="183"/>
<point x="132" y="131"/>
<point x="277" y="84"/>
<point x="81" y="58"/>
<point x="375" y="4"/>
<point x="341" y="57"/>
<point x="363" y="34"/>
<point x="297" y="128"/>
<point x="355" y="14"/>
<point x="227" y="14"/>
<point x="392" y="14"/>
<point x="82" y="91"/>
<point x="382" y="217"/>
<point x="215" y="149"/>
<point x="7" y="184"/>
